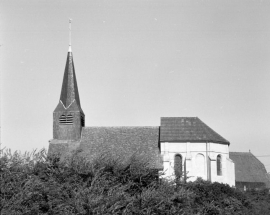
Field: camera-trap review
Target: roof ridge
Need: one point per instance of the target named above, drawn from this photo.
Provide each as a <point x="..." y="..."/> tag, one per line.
<point x="121" y="126"/>
<point x="178" y="117"/>
<point x="241" y="152"/>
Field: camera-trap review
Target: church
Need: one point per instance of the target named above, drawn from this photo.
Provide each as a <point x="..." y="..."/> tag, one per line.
<point x="179" y="145"/>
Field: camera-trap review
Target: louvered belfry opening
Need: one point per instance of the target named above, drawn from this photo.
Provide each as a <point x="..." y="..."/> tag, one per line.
<point x="66" y="119"/>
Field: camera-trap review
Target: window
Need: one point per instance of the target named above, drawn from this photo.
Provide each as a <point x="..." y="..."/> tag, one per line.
<point x="178" y="166"/>
<point x="66" y="119"/>
<point x="219" y="165"/>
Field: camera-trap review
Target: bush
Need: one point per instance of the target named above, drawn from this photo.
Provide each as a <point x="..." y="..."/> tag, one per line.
<point x="33" y="183"/>
<point x="260" y="201"/>
<point x="216" y="198"/>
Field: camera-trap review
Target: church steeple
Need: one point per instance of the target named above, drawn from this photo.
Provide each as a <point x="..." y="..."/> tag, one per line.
<point x="68" y="116"/>
<point x="69" y="92"/>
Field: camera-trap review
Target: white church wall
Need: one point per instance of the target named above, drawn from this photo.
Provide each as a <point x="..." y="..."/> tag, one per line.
<point x="230" y="172"/>
<point x="194" y="157"/>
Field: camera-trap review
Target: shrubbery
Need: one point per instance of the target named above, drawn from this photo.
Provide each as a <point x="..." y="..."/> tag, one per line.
<point x="37" y="184"/>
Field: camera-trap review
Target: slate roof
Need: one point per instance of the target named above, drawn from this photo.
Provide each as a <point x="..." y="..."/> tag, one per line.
<point x="69" y="91"/>
<point x="122" y="142"/>
<point x="248" y="168"/>
<point x="188" y="129"/>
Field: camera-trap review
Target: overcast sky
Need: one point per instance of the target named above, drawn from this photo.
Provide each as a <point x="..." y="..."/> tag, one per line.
<point x="137" y="61"/>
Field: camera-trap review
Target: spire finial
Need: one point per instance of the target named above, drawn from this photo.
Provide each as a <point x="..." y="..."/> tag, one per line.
<point x="69" y="48"/>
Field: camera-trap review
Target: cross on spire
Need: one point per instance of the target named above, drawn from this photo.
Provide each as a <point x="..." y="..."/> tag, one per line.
<point x="69" y="48"/>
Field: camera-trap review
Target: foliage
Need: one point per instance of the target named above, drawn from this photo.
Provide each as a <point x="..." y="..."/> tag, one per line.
<point x="260" y="200"/>
<point x="33" y="183"/>
<point x="216" y="198"/>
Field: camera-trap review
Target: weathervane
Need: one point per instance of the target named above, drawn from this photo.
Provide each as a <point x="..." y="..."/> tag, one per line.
<point x="70" y="34"/>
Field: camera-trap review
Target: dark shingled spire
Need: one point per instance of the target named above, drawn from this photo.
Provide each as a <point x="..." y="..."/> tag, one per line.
<point x="69" y="91"/>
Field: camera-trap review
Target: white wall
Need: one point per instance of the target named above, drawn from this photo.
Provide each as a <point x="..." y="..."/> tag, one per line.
<point x="195" y="156"/>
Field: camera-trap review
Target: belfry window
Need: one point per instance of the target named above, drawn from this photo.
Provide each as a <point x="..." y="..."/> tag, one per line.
<point x="82" y="120"/>
<point x="219" y="165"/>
<point x="66" y="119"/>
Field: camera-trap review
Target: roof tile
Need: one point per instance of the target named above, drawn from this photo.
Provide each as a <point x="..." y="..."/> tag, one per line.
<point x="188" y="129"/>
<point x="122" y="142"/>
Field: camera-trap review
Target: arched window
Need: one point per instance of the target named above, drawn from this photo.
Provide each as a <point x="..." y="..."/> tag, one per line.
<point x="178" y="164"/>
<point x="66" y="119"/>
<point x="200" y="165"/>
<point x="219" y="165"/>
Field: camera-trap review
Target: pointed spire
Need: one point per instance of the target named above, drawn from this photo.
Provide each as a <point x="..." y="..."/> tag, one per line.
<point x="69" y="92"/>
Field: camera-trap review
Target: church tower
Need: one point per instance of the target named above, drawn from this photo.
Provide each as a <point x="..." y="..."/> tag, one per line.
<point x="68" y="116"/>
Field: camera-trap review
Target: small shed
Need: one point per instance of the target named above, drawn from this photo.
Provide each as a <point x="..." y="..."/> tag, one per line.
<point x="250" y="173"/>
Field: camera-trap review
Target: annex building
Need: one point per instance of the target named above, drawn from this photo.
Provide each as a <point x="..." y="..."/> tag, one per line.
<point x="179" y="144"/>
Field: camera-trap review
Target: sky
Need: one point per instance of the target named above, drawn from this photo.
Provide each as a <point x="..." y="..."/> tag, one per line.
<point x="137" y="61"/>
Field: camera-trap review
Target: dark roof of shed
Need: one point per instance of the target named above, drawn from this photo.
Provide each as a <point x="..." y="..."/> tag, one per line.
<point x="188" y="129"/>
<point x="248" y="168"/>
<point x="122" y="142"/>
